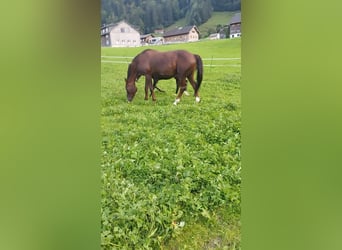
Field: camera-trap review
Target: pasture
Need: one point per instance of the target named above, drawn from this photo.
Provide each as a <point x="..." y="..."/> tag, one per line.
<point x="171" y="175"/>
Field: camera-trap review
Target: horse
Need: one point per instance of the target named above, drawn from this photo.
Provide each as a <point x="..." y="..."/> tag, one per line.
<point x="156" y="65"/>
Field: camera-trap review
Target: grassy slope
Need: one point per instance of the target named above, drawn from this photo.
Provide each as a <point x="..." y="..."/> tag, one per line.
<point x="162" y="122"/>
<point x="217" y="18"/>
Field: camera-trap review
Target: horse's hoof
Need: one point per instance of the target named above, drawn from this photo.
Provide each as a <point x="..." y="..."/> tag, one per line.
<point x="176" y="101"/>
<point x="198" y="99"/>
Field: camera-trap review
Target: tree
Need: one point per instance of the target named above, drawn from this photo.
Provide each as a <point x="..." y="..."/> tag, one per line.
<point x="200" y="11"/>
<point x="151" y="14"/>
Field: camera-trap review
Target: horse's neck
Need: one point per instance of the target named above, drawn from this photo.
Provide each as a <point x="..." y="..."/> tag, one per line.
<point x="132" y="73"/>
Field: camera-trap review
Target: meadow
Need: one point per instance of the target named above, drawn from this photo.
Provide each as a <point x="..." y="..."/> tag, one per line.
<point x="171" y="175"/>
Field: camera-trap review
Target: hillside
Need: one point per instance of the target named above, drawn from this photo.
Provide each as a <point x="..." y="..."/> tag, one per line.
<point x="218" y="18"/>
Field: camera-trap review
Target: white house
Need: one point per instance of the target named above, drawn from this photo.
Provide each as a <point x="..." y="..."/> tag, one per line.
<point x="214" y="36"/>
<point x="120" y="34"/>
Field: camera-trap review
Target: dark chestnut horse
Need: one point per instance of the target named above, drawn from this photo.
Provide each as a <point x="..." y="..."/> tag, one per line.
<point x="152" y="64"/>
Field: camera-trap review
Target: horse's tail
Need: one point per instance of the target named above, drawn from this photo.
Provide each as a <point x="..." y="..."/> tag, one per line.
<point x="199" y="71"/>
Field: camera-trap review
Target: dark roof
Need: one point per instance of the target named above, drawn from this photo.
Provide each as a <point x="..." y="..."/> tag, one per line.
<point x="236" y="18"/>
<point x="146" y="35"/>
<point x="180" y="31"/>
<point x="109" y="26"/>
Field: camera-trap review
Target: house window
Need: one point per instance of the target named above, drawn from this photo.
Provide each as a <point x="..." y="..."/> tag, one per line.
<point x="124" y="30"/>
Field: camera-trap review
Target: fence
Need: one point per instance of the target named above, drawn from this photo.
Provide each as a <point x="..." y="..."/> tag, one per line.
<point x="119" y="59"/>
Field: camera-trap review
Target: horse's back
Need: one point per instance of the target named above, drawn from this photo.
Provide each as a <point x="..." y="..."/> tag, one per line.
<point x="165" y="63"/>
<point x="151" y="53"/>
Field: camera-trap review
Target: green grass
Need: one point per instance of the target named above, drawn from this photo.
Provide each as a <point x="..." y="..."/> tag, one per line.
<point x="221" y="231"/>
<point x="171" y="174"/>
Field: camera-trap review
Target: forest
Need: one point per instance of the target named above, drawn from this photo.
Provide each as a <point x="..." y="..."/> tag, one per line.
<point x="148" y="15"/>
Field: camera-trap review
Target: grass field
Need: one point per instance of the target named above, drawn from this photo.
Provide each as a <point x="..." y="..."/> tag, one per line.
<point x="171" y="175"/>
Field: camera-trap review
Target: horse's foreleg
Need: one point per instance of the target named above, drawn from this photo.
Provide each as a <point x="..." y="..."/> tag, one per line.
<point x="148" y="80"/>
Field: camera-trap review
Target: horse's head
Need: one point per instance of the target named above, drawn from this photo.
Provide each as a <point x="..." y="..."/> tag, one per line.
<point x="131" y="89"/>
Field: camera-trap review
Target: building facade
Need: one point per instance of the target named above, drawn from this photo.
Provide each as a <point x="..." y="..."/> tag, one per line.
<point x="182" y="34"/>
<point x="120" y="34"/>
<point x="235" y="26"/>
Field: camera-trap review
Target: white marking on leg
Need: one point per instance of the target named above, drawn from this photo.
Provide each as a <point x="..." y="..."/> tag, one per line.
<point x="198" y="99"/>
<point x="176" y="101"/>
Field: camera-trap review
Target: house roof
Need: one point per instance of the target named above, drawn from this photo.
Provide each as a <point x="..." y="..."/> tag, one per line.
<point x="146" y="35"/>
<point x="236" y="18"/>
<point x="180" y="31"/>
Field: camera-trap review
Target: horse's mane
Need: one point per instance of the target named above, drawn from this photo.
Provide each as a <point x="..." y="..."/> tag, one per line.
<point x="129" y="70"/>
<point x="143" y="52"/>
<point x="136" y="60"/>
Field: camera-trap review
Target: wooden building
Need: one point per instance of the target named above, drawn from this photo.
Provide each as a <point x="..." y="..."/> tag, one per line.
<point x="235" y="26"/>
<point x="182" y="34"/>
<point x="146" y="39"/>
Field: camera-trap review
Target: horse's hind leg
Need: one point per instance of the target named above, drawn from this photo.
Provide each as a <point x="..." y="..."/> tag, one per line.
<point x="194" y="86"/>
<point x="160" y="90"/>
<point x="155" y="81"/>
<point x="154" y="85"/>
<point x="181" y="83"/>
<point x="149" y="85"/>
<point x="177" y="88"/>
